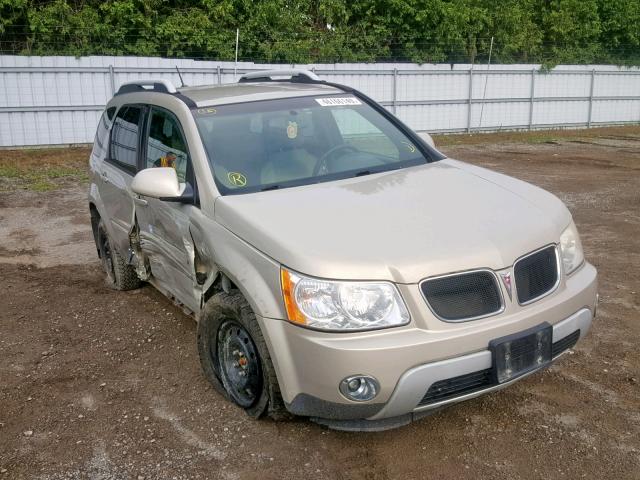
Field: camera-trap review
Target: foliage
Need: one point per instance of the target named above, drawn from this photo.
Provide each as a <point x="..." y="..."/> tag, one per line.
<point x="305" y="31"/>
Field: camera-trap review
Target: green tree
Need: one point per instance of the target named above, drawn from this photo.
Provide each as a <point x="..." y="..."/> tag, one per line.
<point x="572" y="29"/>
<point x="305" y="31"/>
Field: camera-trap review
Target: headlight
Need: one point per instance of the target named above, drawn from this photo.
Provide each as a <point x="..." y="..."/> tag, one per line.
<point x="331" y="305"/>
<point x="571" y="249"/>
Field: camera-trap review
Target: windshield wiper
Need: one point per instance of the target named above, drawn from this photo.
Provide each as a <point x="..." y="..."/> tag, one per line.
<point x="270" y="187"/>
<point x="362" y="173"/>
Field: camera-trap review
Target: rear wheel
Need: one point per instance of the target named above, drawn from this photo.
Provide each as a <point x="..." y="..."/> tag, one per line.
<point x="235" y="358"/>
<point x="120" y="275"/>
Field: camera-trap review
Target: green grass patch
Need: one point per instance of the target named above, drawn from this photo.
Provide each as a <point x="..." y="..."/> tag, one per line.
<point x="8" y="171"/>
<point x="535" y="137"/>
<point x="43" y="170"/>
<point x="43" y="179"/>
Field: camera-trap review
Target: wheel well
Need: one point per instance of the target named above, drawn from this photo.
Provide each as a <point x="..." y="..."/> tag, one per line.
<point x="221" y="283"/>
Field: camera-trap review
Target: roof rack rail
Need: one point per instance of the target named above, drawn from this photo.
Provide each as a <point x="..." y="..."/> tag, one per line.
<point x="296" y="75"/>
<point x="157" y="85"/>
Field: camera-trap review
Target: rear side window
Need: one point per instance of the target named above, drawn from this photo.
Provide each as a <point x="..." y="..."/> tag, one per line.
<point x="166" y="146"/>
<point x="124" y="137"/>
<point x="101" y="142"/>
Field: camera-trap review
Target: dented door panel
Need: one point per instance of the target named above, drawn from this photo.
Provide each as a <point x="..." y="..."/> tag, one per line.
<point x="166" y="242"/>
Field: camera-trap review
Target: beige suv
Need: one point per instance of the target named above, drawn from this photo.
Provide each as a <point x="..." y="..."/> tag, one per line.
<point x="339" y="267"/>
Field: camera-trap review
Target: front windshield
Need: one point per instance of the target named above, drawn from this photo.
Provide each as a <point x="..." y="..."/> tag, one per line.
<point x="274" y="144"/>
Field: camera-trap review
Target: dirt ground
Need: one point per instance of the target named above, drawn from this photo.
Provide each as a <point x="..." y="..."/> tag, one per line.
<point x="106" y="385"/>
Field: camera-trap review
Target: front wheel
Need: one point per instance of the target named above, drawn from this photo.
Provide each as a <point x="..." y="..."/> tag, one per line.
<point x="235" y="358"/>
<point x="239" y="364"/>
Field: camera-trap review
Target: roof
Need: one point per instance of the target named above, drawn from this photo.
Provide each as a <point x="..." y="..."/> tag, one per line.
<point x="210" y="95"/>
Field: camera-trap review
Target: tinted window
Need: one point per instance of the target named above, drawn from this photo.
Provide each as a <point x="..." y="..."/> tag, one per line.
<point x="166" y="146"/>
<point x="124" y="136"/>
<point x="100" y="144"/>
<point x="360" y="133"/>
<point x="270" y="144"/>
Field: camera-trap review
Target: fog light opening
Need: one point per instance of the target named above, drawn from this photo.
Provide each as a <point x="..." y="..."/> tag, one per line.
<point x="359" y="388"/>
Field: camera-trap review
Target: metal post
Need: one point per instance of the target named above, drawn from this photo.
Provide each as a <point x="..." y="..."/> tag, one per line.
<point x="533" y="89"/>
<point x="112" y="80"/>
<point x="395" y="90"/>
<point x="470" y="98"/>
<point x="593" y="80"/>
<point x="219" y="74"/>
<point x="235" y="66"/>
<point x="486" y="80"/>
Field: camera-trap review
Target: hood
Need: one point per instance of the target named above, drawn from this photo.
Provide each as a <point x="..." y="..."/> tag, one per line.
<point x="403" y="225"/>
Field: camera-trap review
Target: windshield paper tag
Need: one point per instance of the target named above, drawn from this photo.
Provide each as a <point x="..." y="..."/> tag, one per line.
<point x="338" y="101"/>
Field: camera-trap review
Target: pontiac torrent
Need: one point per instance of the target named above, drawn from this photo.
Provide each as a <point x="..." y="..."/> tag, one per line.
<point x="338" y="265"/>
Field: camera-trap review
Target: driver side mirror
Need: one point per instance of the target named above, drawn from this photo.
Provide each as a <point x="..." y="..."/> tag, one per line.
<point x="161" y="183"/>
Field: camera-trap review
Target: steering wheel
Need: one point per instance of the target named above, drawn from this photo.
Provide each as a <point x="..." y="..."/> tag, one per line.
<point x="322" y="162"/>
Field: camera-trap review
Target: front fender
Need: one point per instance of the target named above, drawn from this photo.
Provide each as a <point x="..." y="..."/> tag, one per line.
<point x="255" y="274"/>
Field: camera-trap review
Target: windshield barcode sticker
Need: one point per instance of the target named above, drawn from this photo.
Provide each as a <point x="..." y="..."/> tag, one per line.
<point x="338" y="101"/>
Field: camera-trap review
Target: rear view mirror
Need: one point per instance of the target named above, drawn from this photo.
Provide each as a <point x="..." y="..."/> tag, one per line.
<point x="159" y="183"/>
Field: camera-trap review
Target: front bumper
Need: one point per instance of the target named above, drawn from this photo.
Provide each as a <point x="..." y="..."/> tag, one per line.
<point x="412" y="386"/>
<point x="406" y="403"/>
<point x="408" y="360"/>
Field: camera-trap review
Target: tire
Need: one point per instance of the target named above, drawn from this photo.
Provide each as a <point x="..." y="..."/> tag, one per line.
<point x="119" y="275"/>
<point x="228" y="318"/>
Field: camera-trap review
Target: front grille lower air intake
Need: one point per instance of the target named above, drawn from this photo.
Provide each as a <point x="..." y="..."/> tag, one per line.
<point x="536" y="274"/>
<point x="457" y="386"/>
<point x="463" y="296"/>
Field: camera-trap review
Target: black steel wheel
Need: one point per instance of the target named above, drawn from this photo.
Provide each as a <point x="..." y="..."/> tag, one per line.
<point x="235" y="358"/>
<point x="239" y="364"/>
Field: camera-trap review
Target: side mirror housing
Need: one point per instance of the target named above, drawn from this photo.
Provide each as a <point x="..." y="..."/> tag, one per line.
<point x="427" y="138"/>
<point x="160" y="183"/>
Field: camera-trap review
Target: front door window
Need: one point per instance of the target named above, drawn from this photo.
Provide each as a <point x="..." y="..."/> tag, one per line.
<point x="166" y="146"/>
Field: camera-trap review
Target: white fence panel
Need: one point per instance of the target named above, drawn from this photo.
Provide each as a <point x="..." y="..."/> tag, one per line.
<point x="497" y="116"/>
<point x="561" y="112"/>
<point x="613" y="85"/>
<point x="432" y="118"/>
<point x="58" y="100"/>
<point x="608" y="111"/>
<point x="501" y="85"/>
<point x="440" y="86"/>
<point x="563" y="85"/>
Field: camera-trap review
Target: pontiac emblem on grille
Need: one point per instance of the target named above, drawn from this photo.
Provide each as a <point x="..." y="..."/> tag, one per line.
<point x="506" y="279"/>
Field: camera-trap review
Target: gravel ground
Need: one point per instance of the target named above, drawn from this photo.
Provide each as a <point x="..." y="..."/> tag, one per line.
<point x="106" y="385"/>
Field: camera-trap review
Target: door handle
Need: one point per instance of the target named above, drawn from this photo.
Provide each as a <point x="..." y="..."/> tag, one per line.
<point x="140" y="201"/>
